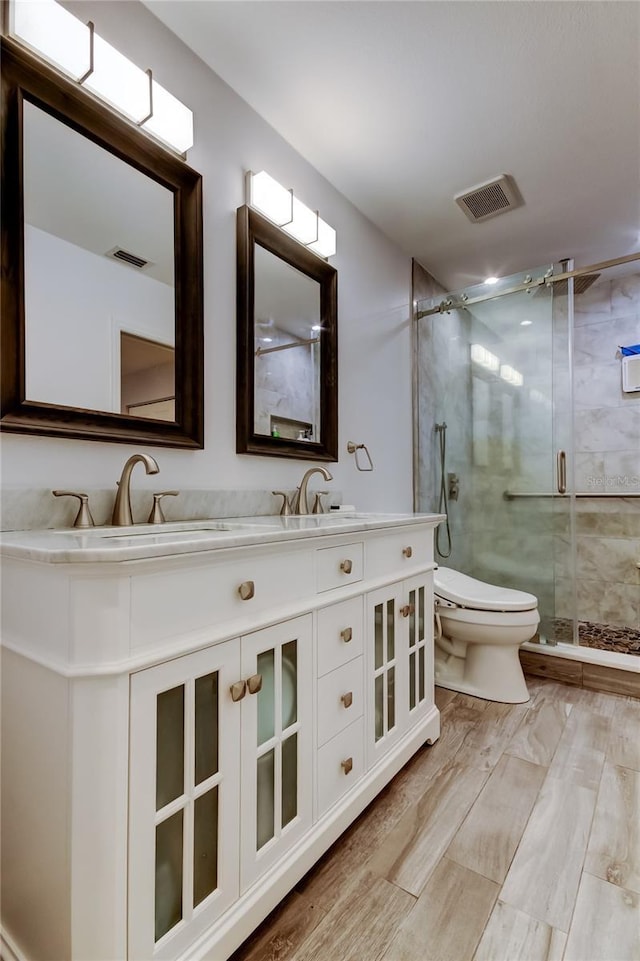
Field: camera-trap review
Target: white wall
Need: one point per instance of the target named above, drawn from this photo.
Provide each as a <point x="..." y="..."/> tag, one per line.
<point x="76" y="304"/>
<point x="373" y="305"/>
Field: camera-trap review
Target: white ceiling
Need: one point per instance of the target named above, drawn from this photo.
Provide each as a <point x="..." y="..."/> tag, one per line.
<point x="401" y="105"/>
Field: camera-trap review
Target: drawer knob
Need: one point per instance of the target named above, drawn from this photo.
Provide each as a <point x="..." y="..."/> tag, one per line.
<point x="254" y="683"/>
<point x="346" y="566"/>
<point x="347" y="634"/>
<point x="407" y="551"/>
<point x="347" y="699"/>
<point x="347" y="765"/>
<point x="238" y="690"/>
<point x="247" y="590"/>
<point x="407" y="609"/>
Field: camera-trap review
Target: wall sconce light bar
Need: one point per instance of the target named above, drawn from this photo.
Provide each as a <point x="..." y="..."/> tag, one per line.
<point x="480" y="355"/>
<point x="75" y="49"/>
<point x="511" y="375"/>
<point x="284" y="209"/>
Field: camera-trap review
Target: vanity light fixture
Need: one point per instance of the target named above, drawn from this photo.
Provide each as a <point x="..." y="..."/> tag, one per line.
<point x="511" y="375"/>
<point x="492" y="280"/>
<point x="265" y="194"/>
<point x="480" y="355"/>
<point x="74" y="48"/>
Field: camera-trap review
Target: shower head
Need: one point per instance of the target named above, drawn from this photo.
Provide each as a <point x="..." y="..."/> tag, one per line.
<point x="580" y="284"/>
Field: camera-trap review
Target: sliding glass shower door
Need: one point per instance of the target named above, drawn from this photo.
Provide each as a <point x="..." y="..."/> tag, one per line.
<point x="494" y="375"/>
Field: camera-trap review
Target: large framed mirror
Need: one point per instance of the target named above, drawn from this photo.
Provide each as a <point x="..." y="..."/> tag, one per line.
<point x="287" y="375"/>
<point x="102" y="326"/>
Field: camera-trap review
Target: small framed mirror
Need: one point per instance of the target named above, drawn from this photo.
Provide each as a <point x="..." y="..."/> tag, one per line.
<point x="287" y="375"/>
<point x="102" y="326"/>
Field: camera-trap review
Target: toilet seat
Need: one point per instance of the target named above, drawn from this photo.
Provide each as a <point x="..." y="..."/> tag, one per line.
<point x="468" y="592"/>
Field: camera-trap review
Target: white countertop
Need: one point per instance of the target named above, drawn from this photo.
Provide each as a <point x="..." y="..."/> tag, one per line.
<point x="72" y="545"/>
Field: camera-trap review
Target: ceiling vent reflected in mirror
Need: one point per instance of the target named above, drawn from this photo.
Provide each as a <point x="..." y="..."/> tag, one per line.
<point x="489" y="199"/>
<point x="133" y="260"/>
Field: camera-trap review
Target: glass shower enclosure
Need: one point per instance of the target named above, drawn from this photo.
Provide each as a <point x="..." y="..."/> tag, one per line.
<point x="527" y="440"/>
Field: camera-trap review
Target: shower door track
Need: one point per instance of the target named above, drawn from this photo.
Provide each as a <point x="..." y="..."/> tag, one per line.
<point x="446" y="306"/>
<point x="512" y="495"/>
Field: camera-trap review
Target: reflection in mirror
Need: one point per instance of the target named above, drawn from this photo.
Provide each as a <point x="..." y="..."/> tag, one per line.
<point x="102" y="319"/>
<point x="98" y="262"/>
<point x="287" y="341"/>
<point x="287" y="345"/>
<point x="147" y="378"/>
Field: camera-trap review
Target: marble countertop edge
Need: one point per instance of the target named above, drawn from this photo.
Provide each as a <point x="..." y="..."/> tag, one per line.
<point x="114" y="544"/>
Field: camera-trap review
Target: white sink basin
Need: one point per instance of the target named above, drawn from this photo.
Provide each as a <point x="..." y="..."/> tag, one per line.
<point x="188" y="530"/>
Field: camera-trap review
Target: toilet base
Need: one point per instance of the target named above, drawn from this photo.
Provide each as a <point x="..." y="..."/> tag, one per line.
<point x="491" y="672"/>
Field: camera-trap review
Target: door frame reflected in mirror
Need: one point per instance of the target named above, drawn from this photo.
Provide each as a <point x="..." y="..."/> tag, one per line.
<point x="252" y="229"/>
<point x="25" y="78"/>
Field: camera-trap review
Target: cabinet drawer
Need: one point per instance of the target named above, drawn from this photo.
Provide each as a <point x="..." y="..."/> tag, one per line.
<point x="340" y="699"/>
<point x="399" y="552"/>
<point x="340" y="765"/>
<point x="178" y="601"/>
<point x="337" y="566"/>
<point x="340" y="634"/>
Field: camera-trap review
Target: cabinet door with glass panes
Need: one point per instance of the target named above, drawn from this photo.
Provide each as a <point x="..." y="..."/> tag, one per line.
<point x="183" y="799"/>
<point x="400" y="661"/>
<point x="276" y="792"/>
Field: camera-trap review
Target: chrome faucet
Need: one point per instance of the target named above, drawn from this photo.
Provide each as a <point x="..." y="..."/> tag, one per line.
<point x="300" y="502"/>
<point x="122" y="515"/>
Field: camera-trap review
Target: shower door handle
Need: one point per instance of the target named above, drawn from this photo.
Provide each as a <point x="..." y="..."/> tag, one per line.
<point x="561" y="471"/>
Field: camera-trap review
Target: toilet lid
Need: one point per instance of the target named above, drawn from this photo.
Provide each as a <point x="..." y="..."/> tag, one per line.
<point x="469" y="592"/>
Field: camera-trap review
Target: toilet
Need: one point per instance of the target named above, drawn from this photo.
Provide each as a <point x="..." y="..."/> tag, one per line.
<point x="479" y="628"/>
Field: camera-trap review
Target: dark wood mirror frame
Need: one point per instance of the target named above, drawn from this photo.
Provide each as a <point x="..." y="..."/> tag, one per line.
<point x="25" y="78"/>
<point x="252" y="229"/>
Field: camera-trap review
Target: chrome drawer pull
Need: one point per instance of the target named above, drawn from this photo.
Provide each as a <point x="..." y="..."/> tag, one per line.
<point x="347" y="765"/>
<point x="347" y="634"/>
<point x="347" y="699"/>
<point x="407" y="551"/>
<point x="407" y="609"/>
<point x="254" y="683"/>
<point x="346" y="566"/>
<point x="247" y="590"/>
<point x="238" y="690"/>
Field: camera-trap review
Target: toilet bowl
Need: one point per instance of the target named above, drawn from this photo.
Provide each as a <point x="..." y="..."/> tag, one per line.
<point x="479" y="628"/>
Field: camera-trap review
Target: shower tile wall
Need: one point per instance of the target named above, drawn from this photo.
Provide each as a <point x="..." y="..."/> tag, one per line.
<point x="285" y="383"/>
<point x="607" y="459"/>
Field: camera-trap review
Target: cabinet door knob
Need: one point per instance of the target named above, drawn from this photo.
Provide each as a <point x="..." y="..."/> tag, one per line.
<point x="346" y="566"/>
<point x="347" y="699"/>
<point x="347" y="765"/>
<point x="407" y="609"/>
<point x="238" y="690"/>
<point x="247" y="590"/>
<point x="347" y="634"/>
<point x="407" y="551"/>
<point x="254" y="683"/>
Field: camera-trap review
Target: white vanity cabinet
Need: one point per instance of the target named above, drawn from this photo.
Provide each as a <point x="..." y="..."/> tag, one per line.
<point x="400" y="683"/>
<point x="207" y="722"/>
<point x="220" y="788"/>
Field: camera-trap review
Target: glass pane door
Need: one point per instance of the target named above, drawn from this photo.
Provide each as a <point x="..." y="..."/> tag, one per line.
<point x="184" y="779"/>
<point x="494" y="371"/>
<point x="276" y="743"/>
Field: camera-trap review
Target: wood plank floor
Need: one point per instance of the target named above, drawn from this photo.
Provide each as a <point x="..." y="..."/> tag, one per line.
<point x="516" y="837"/>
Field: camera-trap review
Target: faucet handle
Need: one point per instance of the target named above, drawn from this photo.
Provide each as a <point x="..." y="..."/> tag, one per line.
<point x="157" y="516"/>
<point x="286" y="504"/>
<point x="83" y="517"/>
<point x="317" y="504"/>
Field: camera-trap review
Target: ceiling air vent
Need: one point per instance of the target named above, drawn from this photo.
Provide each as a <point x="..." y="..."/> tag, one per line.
<point x="132" y="259"/>
<point x="487" y="200"/>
